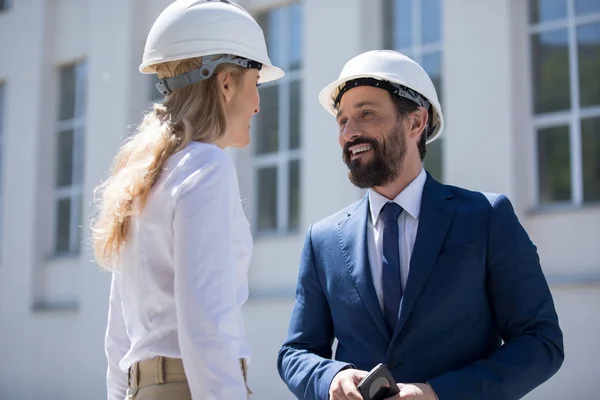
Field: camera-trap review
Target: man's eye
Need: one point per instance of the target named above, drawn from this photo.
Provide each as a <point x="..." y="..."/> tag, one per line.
<point x="342" y="122"/>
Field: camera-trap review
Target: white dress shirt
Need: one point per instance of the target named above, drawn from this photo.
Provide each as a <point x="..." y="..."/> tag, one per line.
<point x="408" y="222"/>
<point x="182" y="278"/>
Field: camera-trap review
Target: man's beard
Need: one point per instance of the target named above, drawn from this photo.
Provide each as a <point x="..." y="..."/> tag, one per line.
<point x="385" y="164"/>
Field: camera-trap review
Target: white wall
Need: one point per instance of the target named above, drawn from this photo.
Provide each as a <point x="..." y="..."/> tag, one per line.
<point x="58" y="353"/>
<point x="477" y="97"/>
<point x="53" y="352"/>
<point x="578" y="315"/>
<point x="23" y="80"/>
<point x="266" y="327"/>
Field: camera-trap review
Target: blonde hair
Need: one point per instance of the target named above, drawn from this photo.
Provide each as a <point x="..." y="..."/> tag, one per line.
<point x="193" y="113"/>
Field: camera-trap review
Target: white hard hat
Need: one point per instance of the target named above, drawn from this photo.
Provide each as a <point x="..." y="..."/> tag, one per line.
<point x="198" y="28"/>
<point x="394" y="72"/>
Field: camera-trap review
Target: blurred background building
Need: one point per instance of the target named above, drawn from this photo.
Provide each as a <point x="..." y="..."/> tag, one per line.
<point x="520" y="87"/>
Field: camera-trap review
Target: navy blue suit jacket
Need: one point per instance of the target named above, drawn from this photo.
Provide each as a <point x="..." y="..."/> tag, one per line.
<point x="475" y="281"/>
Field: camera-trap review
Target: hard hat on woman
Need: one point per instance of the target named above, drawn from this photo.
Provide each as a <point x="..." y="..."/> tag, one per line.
<point x="205" y="29"/>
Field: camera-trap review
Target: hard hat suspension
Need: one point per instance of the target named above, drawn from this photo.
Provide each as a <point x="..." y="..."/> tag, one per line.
<point x="209" y="64"/>
<point x="393" y="88"/>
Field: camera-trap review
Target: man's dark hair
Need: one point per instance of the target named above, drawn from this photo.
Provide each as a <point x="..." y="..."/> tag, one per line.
<point x="405" y="107"/>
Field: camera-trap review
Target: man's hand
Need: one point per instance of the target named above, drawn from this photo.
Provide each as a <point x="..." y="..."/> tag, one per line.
<point x="417" y="391"/>
<point x="344" y="383"/>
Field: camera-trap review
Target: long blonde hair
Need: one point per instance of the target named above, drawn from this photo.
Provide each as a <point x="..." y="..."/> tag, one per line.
<point x="193" y="113"/>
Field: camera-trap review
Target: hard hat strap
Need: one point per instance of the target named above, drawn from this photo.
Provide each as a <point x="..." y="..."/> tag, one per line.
<point x="209" y="64"/>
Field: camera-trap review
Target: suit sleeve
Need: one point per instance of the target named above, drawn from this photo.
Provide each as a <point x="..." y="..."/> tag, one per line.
<point x="525" y="315"/>
<point x="304" y="361"/>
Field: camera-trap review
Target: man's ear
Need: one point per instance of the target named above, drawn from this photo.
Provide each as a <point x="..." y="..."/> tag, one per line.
<point x="418" y="122"/>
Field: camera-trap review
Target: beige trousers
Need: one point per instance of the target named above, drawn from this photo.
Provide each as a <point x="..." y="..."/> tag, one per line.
<point x="163" y="378"/>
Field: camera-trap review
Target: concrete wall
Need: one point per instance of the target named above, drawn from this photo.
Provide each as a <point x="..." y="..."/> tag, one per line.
<point x="53" y="310"/>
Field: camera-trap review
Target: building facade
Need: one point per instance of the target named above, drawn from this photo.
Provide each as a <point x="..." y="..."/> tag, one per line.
<point x="519" y="83"/>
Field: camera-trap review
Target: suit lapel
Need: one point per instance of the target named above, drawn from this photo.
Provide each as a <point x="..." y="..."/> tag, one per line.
<point x="352" y="231"/>
<point x="437" y="209"/>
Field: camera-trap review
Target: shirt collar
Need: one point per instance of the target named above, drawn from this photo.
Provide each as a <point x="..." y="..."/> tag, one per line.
<point x="409" y="199"/>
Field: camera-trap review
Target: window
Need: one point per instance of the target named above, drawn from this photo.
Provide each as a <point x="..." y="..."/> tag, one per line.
<point x="565" y="68"/>
<point x="69" y="158"/>
<point x="414" y="28"/>
<point x="277" y="131"/>
<point x="5" y="5"/>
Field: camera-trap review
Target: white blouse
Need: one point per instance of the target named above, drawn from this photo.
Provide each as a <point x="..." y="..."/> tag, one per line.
<point x="182" y="278"/>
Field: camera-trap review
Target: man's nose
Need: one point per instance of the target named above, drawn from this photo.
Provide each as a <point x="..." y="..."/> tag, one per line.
<point x="351" y="131"/>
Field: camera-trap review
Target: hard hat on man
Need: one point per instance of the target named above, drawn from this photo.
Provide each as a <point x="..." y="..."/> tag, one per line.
<point x="391" y="71"/>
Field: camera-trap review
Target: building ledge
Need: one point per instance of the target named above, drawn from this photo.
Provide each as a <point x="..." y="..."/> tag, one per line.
<point x="54" y="306"/>
<point x="280" y="293"/>
<point x="557" y="208"/>
<point x="560" y="280"/>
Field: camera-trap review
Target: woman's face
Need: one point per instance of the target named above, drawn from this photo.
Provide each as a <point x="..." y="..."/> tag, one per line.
<point x="242" y="102"/>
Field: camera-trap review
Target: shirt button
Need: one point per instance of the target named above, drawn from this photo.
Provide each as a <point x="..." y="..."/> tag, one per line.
<point x="392" y="363"/>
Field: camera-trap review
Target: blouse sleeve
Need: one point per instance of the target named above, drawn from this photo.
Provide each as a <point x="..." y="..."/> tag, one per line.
<point x="208" y="313"/>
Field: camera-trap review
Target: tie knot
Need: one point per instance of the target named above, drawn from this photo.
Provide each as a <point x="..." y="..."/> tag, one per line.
<point x="390" y="212"/>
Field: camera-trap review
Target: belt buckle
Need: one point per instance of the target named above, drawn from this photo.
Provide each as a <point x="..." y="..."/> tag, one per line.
<point x="131" y="392"/>
<point x="132" y="388"/>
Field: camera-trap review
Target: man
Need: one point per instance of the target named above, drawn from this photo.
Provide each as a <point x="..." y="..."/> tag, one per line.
<point x="426" y="278"/>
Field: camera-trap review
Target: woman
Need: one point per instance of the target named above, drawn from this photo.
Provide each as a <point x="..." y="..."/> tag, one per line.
<point x="170" y="223"/>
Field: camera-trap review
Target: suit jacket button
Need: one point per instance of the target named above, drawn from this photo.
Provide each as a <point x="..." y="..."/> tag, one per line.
<point x="392" y="363"/>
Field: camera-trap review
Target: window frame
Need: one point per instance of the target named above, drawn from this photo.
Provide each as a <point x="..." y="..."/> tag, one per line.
<point x="284" y="155"/>
<point x="571" y="117"/>
<point x="417" y="51"/>
<point x="73" y="192"/>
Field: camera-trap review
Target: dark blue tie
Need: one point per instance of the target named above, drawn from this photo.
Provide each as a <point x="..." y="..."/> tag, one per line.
<point x="391" y="282"/>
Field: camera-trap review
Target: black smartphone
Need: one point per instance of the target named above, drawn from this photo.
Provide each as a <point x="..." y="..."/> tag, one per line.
<point x="378" y="384"/>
